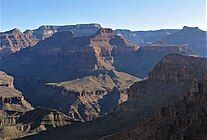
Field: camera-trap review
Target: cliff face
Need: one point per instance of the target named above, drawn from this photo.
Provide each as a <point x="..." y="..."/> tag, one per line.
<point x="177" y="68"/>
<point x="6" y="80"/>
<point x="14" y="40"/>
<point x="12" y="103"/>
<point x="11" y="100"/>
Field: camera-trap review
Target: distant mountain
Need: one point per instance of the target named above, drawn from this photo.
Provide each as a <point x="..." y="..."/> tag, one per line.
<point x="65" y="56"/>
<point x="193" y="37"/>
<point x="190" y="36"/>
<point x="148" y="56"/>
<point x="14" y="40"/>
<point x="157" y="108"/>
<point x="78" y="30"/>
<point x="143" y="38"/>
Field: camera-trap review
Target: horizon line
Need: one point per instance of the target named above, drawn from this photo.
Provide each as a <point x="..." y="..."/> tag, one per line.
<point x="113" y="28"/>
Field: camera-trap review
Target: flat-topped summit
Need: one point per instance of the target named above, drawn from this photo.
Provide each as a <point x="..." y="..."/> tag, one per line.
<point x="186" y="28"/>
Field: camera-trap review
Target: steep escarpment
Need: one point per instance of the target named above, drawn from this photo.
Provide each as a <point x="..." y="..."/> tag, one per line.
<point x="85" y="98"/>
<point x="14" y="40"/>
<point x="156" y="109"/>
<point x="175" y="67"/>
<point x="11" y="100"/>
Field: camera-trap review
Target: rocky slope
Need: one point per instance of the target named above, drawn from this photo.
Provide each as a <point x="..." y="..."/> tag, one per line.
<point x="193" y="37"/>
<point x="14" y="40"/>
<point x="156" y="109"/>
<point x="85" y="98"/>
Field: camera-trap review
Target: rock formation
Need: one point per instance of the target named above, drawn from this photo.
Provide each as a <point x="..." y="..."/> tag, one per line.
<point x="192" y="36"/>
<point x="77" y="56"/>
<point x="156" y="109"/>
<point x="33" y="122"/>
<point x="143" y="38"/>
<point x="149" y="55"/>
<point x="78" y="30"/>
<point x="14" y="40"/>
<point x="175" y="67"/>
<point x="11" y="100"/>
<point x="18" y="118"/>
<point x="86" y="98"/>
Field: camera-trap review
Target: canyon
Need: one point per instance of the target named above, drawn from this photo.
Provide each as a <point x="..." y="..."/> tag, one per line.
<point x="85" y="81"/>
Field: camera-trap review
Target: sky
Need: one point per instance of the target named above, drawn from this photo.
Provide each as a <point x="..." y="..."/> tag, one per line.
<point x="116" y="14"/>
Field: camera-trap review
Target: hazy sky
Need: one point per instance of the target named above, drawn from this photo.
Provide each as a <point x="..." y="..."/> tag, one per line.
<point x="128" y="14"/>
